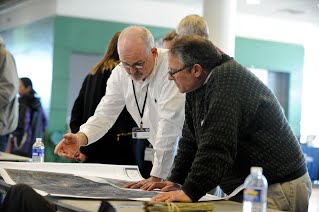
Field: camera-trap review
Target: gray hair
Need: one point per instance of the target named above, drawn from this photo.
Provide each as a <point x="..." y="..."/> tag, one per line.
<point x="193" y="25"/>
<point x="194" y="49"/>
<point x="144" y="34"/>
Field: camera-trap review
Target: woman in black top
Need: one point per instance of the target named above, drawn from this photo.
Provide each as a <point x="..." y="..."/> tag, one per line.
<point x="115" y="147"/>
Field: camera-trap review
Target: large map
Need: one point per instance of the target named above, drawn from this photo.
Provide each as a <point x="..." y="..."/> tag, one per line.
<point x="69" y="185"/>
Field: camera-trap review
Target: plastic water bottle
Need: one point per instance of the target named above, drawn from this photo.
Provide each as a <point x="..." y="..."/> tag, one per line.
<point x="255" y="192"/>
<point x="38" y="151"/>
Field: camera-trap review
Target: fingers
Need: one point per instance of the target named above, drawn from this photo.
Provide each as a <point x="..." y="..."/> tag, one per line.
<point x="151" y="186"/>
<point x="68" y="136"/>
<point x="68" y="147"/>
<point x="172" y="196"/>
<point x="137" y="184"/>
<point x="129" y="185"/>
<point x="169" y="188"/>
<point x="57" y="148"/>
<point x="65" y="155"/>
<point x="164" y="197"/>
<point x="148" y="184"/>
<point x="79" y="156"/>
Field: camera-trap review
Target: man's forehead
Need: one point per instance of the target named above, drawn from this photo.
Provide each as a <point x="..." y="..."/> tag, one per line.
<point x="173" y="57"/>
<point x="132" y="55"/>
<point x="131" y="45"/>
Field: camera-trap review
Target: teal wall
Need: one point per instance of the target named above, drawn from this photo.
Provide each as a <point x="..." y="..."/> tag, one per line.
<point x="280" y="57"/>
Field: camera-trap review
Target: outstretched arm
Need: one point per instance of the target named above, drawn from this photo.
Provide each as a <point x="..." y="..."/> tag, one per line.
<point x="69" y="146"/>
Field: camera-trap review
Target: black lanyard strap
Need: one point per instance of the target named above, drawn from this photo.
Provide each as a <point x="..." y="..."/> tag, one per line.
<point x="141" y="113"/>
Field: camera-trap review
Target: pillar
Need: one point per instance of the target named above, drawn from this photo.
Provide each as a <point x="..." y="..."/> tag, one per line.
<point x="221" y="19"/>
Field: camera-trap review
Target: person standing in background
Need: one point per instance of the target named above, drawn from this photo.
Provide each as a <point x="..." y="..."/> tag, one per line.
<point x="9" y="84"/>
<point x="168" y="39"/>
<point x="194" y="25"/>
<point x="32" y="120"/>
<point x="114" y="147"/>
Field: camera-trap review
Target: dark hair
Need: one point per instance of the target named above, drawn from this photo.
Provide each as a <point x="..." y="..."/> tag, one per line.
<point x="194" y="49"/>
<point x="170" y="36"/>
<point x="28" y="83"/>
<point x="111" y="57"/>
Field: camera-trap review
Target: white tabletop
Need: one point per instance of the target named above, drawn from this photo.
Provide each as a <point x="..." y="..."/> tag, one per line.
<point x="11" y="157"/>
<point x="135" y="206"/>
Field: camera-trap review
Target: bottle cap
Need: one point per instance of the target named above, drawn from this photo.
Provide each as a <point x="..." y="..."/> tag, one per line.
<point x="256" y="169"/>
<point x="38" y="139"/>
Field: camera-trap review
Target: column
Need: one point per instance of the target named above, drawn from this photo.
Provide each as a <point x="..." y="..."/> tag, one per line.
<point x="221" y="19"/>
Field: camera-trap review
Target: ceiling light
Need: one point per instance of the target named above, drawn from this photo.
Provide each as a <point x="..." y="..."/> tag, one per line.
<point x="255" y="2"/>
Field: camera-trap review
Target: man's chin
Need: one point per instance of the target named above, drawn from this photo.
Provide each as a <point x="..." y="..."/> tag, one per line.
<point x="137" y="78"/>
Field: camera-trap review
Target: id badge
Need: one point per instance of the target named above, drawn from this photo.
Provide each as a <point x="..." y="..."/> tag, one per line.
<point x="140" y="133"/>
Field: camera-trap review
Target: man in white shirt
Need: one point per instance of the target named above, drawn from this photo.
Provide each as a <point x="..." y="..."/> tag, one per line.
<point x="139" y="83"/>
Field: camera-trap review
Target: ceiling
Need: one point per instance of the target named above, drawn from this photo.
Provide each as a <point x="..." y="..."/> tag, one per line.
<point x="293" y="10"/>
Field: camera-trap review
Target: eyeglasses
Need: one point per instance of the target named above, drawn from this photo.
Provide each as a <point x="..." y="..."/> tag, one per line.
<point x="138" y="65"/>
<point x="173" y="71"/>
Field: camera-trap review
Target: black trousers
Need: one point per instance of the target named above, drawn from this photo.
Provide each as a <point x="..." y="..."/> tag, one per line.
<point x="22" y="198"/>
<point x="3" y="142"/>
<point x="139" y="146"/>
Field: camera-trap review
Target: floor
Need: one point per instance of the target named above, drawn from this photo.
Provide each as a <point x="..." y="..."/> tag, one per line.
<point x="314" y="199"/>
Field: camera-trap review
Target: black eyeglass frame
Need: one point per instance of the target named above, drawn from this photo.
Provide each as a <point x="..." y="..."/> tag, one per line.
<point x="171" y="71"/>
<point x="136" y="66"/>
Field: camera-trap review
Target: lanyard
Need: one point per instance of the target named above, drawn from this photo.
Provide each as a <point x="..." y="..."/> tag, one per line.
<point x="141" y="113"/>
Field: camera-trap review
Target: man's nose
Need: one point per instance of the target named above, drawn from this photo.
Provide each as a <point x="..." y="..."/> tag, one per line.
<point x="170" y="77"/>
<point x="132" y="70"/>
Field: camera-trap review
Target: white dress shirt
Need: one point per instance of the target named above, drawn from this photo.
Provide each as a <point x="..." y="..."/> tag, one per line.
<point x="164" y="111"/>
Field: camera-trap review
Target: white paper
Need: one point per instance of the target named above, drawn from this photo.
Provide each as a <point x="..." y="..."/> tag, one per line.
<point x="93" y="172"/>
<point x="129" y="173"/>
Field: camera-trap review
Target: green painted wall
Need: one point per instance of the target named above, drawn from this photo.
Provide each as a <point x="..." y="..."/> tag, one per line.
<point x="280" y="57"/>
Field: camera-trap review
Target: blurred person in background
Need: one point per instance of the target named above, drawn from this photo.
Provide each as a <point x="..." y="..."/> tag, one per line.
<point x="9" y="84"/>
<point x="194" y="25"/>
<point x="168" y="39"/>
<point x="32" y="120"/>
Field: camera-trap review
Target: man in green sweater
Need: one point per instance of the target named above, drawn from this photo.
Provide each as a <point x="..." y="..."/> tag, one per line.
<point x="232" y="122"/>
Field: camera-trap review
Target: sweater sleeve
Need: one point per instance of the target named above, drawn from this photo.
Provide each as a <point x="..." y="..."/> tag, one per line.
<point x="186" y="150"/>
<point x="216" y="140"/>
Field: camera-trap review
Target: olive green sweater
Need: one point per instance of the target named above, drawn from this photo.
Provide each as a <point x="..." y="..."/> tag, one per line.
<point x="234" y="122"/>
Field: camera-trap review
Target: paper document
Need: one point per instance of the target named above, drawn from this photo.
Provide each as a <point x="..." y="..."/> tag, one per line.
<point x="78" y="180"/>
<point x="129" y="173"/>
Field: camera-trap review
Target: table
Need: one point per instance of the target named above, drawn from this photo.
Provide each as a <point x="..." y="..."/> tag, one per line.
<point x="65" y="204"/>
<point x="85" y="205"/>
<point x="14" y="158"/>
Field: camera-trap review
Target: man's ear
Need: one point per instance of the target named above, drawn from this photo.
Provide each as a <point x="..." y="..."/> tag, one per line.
<point x="197" y="70"/>
<point x="154" y="50"/>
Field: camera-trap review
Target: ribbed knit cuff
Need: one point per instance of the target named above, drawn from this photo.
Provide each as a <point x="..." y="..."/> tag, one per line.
<point x="192" y="191"/>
